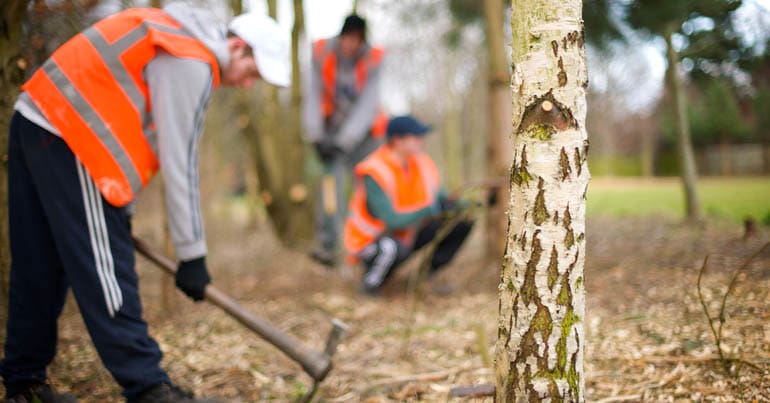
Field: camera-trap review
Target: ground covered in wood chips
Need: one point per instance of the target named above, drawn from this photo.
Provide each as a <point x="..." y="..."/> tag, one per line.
<point x="648" y="338"/>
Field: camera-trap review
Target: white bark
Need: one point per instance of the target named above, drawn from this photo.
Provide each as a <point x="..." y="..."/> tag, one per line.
<point x="542" y="297"/>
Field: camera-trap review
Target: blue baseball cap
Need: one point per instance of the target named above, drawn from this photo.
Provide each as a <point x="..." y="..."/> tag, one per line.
<point x="406" y="125"/>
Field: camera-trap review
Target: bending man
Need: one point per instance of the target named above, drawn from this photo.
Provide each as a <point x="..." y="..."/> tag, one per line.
<point x="112" y="106"/>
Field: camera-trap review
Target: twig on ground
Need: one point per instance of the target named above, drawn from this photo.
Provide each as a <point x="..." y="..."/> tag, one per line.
<point x="623" y="398"/>
<point x="473" y="391"/>
<point x="717" y="331"/>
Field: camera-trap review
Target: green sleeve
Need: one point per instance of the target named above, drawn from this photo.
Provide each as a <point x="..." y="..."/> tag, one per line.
<point x="379" y="206"/>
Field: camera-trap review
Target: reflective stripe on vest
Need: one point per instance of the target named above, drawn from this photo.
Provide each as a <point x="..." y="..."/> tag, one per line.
<point x="93" y="91"/>
<point x="361" y="229"/>
<point x="325" y="55"/>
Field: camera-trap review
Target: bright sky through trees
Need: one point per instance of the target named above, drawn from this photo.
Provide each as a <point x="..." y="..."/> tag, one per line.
<point x="324" y="19"/>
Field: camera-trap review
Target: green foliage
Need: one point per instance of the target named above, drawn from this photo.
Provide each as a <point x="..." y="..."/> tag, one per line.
<point x="467" y="11"/>
<point x="667" y="160"/>
<point x="705" y="27"/>
<point x="658" y="17"/>
<point x="714" y="113"/>
<point x="600" y="26"/>
<point x="761" y="108"/>
<point x="716" y="116"/>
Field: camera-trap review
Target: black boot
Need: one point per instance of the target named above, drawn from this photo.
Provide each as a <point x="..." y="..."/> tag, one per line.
<point x="43" y="393"/>
<point x="164" y="393"/>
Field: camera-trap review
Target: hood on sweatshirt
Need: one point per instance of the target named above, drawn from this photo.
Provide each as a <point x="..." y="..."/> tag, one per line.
<point x="204" y="26"/>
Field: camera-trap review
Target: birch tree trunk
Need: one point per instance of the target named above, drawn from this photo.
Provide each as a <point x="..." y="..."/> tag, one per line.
<point x="12" y="68"/>
<point x="539" y="354"/>
<point x="684" y="142"/>
<point x="498" y="158"/>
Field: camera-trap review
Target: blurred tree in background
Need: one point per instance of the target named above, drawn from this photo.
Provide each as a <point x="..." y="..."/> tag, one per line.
<point x="274" y="132"/>
<point x="12" y="68"/>
<point x="29" y="32"/>
<point x="668" y="19"/>
<point x="761" y="106"/>
<point x="759" y="68"/>
<point x="491" y="15"/>
<point x="703" y="36"/>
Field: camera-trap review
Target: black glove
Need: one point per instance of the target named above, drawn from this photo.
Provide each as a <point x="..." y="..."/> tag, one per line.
<point x="327" y="150"/>
<point x="192" y="277"/>
<point x="492" y="196"/>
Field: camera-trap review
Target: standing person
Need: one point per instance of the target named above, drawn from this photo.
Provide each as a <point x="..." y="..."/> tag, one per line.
<point x="342" y="120"/>
<point x="113" y="105"/>
<point x="394" y="208"/>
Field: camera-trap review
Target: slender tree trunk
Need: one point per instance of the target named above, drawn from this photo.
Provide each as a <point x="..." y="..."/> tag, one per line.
<point x="648" y="155"/>
<point x="12" y="68"/>
<point x="725" y="159"/>
<point x="279" y="151"/>
<point x="454" y="156"/>
<point x="236" y="6"/>
<point x="686" y="154"/>
<point x="451" y="136"/>
<point x="539" y="355"/>
<point x="500" y="140"/>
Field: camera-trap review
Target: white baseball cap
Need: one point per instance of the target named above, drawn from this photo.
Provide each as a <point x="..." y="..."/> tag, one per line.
<point x="270" y="44"/>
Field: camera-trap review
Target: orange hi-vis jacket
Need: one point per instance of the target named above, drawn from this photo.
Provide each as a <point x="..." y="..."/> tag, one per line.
<point x="408" y="188"/>
<point x="326" y="57"/>
<point x="93" y="91"/>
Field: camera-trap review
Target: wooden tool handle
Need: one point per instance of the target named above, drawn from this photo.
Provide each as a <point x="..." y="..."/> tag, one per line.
<point x="316" y="364"/>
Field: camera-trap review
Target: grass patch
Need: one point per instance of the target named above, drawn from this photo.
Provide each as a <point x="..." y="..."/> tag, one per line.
<point x="727" y="198"/>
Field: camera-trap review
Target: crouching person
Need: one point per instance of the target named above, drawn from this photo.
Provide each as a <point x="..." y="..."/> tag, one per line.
<point x="397" y="206"/>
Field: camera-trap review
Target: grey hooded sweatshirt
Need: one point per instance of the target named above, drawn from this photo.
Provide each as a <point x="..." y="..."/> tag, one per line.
<point x="354" y="112"/>
<point x="180" y="90"/>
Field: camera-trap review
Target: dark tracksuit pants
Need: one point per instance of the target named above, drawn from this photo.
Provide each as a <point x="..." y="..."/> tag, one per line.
<point x="384" y="256"/>
<point x="65" y="235"/>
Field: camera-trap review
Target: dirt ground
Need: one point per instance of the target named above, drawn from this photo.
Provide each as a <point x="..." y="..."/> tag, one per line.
<point x="648" y="338"/>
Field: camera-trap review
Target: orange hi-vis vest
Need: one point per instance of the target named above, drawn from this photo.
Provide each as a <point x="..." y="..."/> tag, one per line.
<point x="93" y="91"/>
<point x="408" y="188"/>
<point x="326" y="57"/>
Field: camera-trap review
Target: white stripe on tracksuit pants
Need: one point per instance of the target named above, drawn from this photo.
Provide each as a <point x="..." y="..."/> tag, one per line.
<point x="64" y="235"/>
<point x="100" y="240"/>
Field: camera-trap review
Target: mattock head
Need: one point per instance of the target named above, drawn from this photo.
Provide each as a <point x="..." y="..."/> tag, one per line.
<point x="339" y="329"/>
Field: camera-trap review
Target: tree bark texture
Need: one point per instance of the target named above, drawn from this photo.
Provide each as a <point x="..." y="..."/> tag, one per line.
<point x="499" y="138"/>
<point x="452" y="135"/>
<point x="279" y="152"/>
<point x="12" y="68"/>
<point x="541" y="337"/>
<point x="684" y="143"/>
